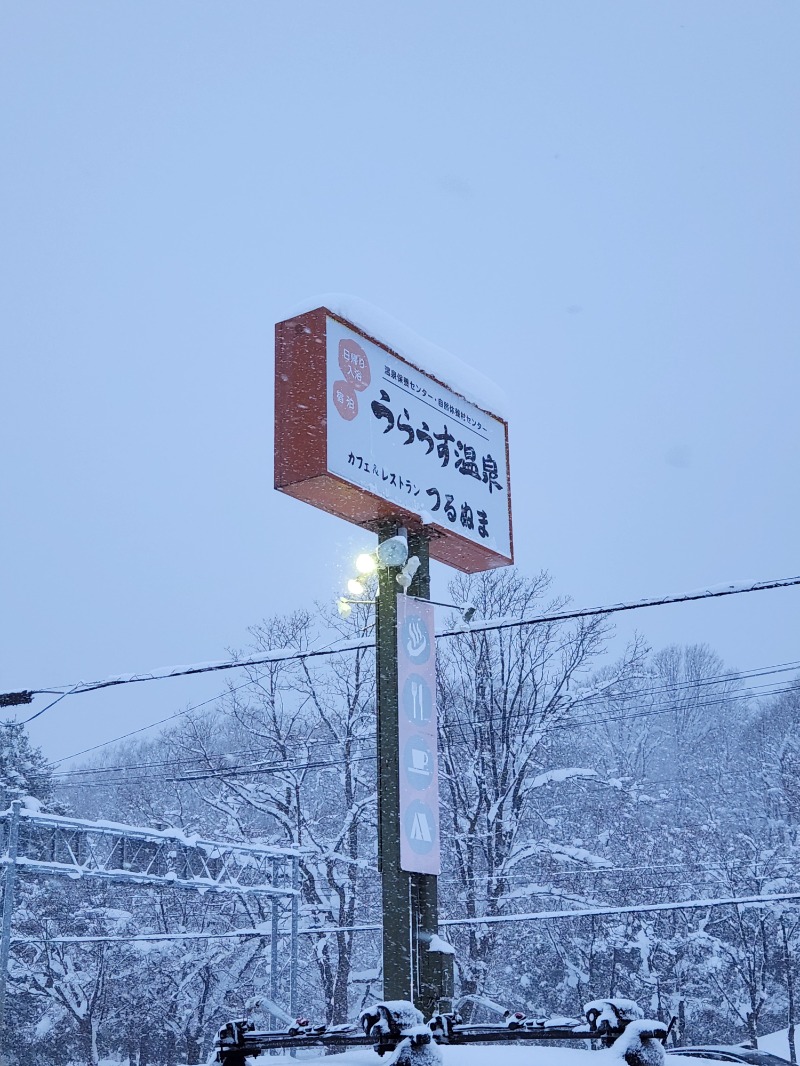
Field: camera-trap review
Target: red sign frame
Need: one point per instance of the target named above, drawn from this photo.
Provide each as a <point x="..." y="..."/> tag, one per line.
<point x="301" y="459"/>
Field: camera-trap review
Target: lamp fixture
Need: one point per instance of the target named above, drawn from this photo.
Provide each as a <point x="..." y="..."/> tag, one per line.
<point x="394" y="551"/>
<point x="406" y="575"/>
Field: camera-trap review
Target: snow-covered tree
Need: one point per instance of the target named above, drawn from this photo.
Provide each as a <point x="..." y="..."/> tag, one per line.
<point x="501" y="694"/>
<point x="306" y="778"/>
<point x="24" y="771"/>
<point x="567" y="782"/>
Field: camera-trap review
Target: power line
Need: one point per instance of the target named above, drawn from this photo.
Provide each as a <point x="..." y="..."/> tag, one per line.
<point x="496" y="919"/>
<point x="171" y="763"/>
<point x="223" y="774"/>
<point x="277" y="655"/>
<point x="162" y="721"/>
<point x="579" y="721"/>
<point x="542" y="890"/>
<point x="170" y="718"/>
<point x="250" y="769"/>
<point x="289" y="655"/>
<point x="713" y="592"/>
<point x="273" y="768"/>
<point x="582" y="702"/>
<point x="718" y="868"/>
<point x="690" y="685"/>
<point x="152" y="725"/>
<point x="690" y="904"/>
<point x="48" y="706"/>
<point x="236" y="934"/>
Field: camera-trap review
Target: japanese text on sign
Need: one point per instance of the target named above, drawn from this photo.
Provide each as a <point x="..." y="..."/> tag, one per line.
<point x="404" y="437"/>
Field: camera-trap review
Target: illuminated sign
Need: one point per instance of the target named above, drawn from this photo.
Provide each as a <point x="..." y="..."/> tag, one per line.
<point x="365" y="435"/>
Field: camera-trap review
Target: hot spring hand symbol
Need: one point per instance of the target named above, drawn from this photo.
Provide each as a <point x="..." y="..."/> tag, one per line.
<point x="417" y="639"/>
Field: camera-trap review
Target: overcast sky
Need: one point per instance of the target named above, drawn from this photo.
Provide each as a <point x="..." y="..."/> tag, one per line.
<point x="595" y="202"/>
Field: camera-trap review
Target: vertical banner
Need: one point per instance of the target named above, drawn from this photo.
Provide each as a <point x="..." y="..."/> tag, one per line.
<point x="416" y="705"/>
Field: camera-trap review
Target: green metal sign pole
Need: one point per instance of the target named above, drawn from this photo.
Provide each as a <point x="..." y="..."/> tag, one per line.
<point x="411" y="971"/>
<point x="395" y="883"/>
<point x="434" y="986"/>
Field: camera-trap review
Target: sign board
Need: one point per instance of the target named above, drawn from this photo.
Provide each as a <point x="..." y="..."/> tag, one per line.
<point x="416" y="709"/>
<point x="363" y="434"/>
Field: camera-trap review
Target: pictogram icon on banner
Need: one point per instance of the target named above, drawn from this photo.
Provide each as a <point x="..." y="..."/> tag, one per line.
<point x="421" y="830"/>
<point x="419" y="777"/>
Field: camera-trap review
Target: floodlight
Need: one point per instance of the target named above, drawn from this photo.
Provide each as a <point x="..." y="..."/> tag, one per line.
<point x="344" y="608"/>
<point x="366" y="564"/>
<point x="354" y="587"/>
<point x="393" y="552"/>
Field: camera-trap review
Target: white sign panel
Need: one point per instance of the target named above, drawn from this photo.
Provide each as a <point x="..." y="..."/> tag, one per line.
<point x="402" y="436"/>
<point x="416" y="708"/>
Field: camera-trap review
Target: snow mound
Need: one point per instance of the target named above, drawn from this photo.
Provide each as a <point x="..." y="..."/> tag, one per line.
<point x="418" y="1049"/>
<point x="440" y="945"/>
<point x="611" y="1013"/>
<point x="642" y="1043"/>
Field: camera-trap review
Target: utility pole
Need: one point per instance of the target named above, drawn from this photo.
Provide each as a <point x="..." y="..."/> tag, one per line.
<point x="395" y="884"/>
<point x="8" y="910"/>
<point x="411" y="971"/>
<point x="434" y="968"/>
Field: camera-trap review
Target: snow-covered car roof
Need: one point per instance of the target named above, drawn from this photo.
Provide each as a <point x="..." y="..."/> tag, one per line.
<point x="729" y="1053"/>
<point x="481" y="1054"/>
<point x="517" y="1055"/>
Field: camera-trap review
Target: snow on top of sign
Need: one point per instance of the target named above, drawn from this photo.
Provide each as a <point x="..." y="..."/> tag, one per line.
<point x="421" y="353"/>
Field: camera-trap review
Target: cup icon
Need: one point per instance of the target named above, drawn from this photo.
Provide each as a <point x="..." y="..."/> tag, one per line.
<point x="419" y="763"/>
<point x="420" y="760"/>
